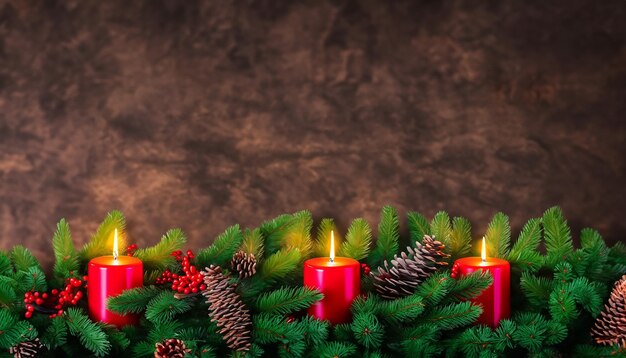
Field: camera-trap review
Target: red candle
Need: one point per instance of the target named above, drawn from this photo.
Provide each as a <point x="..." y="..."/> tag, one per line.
<point x="496" y="299"/>
<point x="339" y="279"/>
<point x="108" y="277"/>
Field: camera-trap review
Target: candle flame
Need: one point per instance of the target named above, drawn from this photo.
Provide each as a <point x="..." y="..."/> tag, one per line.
<point x="483" y="254"/>
<point x="332" y="246"/>
<point x="115" y="249"/>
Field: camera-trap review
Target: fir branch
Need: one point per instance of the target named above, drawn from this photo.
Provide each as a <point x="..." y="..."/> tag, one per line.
<point x="335" y="349"/>
<point x="134" y="300"/>
<point x="8" y="296"/>
<point x="315" y="331"/>
<point x="441" y="227"/>
<point x="477" y="341"/>
<point x="562" y="305"/>
<point x="159" y="257"/>
<point x="498" y="236"/>
<point x="322" y="243"/>
<point x="585" y="294"/>
<point x="530" y="337"/>
<point x="435" y="288"/>
<point x="6" y="269"/>
<point x="358" y="240"/>
<point x="595" y="254"/>
<point x="65" y="254"/>
<point x="117" y="338"/>
<point x="270" y="328"/>
<point x="557" y="235"/>
<point x="273" y="232"/>
<point x="32" y="280"/>
<point x="469" y="286"/>
<point x="524" y="251"/>
<point x="388" y="236"/>
<point x="91" y="336"/>
<point x="418" y="226"/>
<point x="402" y="309"/>
<point x="279" y="265"/>
<point x="164" y="306"/>
<point x="556" y="332"/>
<point x="253" y="243"/>
<point x="453" y="316"/>
<point x="56" y="333"/>
<point x="286" y="300"/>
<point x="164" y="329"/>
<point x="536" y="289"/>
<point x="298" y="236"/>
<point x="367" y="330"/>
<point x="101" y="242"/>
<point x="222" y="249"/>
<point x="504" y="335"/>
<point x="421" y="341"/>
<point x="460" y="238"/>
<point x="23" y="259"/>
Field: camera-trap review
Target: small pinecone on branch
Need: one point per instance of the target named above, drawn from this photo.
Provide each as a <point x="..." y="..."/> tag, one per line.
<point x="405" y="273"/>
<point x="27" y="349"/>
<point x="227" y="309"/>
<point x="244" y="264"/>
<point x="610" y="327"/>
<point x="171" y="348"/>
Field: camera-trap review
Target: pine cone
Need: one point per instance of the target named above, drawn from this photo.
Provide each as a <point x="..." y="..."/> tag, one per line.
<point x="610" y="327"/>
<point x="409" y="270"/>
<point x="227" y="309"/>
<point x="171" y="348"/>
<point x="27" y="349"/>
<point x="244" y="264"/>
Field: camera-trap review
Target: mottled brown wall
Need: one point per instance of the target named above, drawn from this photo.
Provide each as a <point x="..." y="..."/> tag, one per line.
<point x="204" y="114"/>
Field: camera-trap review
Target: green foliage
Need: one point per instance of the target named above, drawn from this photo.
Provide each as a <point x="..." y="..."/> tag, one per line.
<point x="335" y="350"/>
<point x="90" y="334"/>
<point x="460" y="238"/>
<point x="134" y="300"/>
<point x="23" y="259"/>
<point x="159" y="257"/>
<point x="56" y="334"/>
<point x="164" y="306"/>
<point x="298" y="236"/>
<point x="418" y="226"/>
<point x="498" y="236"/>
<point x="367" y="330"/>
<point x="12" y="331"/>
<point x="6" y="268"/>
<point x="274" y="230"/>
<point x="388" y="236"/>
<point x="279" y="265"/>
<point x="441" y="227"/>
<point x="453" y="315"/>
<point x="524" y="251"/>
<point x="222" y="249"/>
<point x="469" y="286"/>
<point x="101" y="242"/>
<point x="435" y="288"/>
<point x="65" y="254"/>
<point x="253" y="243"/>
<point x="287" y="300"/>
<point x="358" y="240"/>
<point x="402" y="309"/>
<point x="558" y="237"/>
<point x="322" y="244"/>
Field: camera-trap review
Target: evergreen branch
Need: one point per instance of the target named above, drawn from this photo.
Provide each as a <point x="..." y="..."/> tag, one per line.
<point x="101" y="242"/>
<point x="595" y="254"/>
<point x="358" y="240"/>
<point x="65" y="254"/>
<point x="222" y="249"/>
<point x="423" y="341"/>
<point x="556" y="332"/>
<point x="159" y="257"/>
<point x="56" y="333"/>
<point x="32" y="280"/>
<point x="134" y="300"/>
<point x="298" y="236"/>
<point x="530" y="337"/>
<point x="453" y="316"/>
<point x="164" y="329"/>
<point x="504" y="335"/>
<point x="435" y="288"/>
<point x="8" y="296"/>
<point x="476" y="341"/>
<point x="367" y="330"/>
<point x="315" y="331"/>
<point x="23" y="259"/>
<point x="460" y="238"/>
<point x="441" y="227"/>
<point x="6" y="269"/>
<point x="557" y="235"/>
<point x="91" y="336"/>
<point x="388" y="236"/>
<point x="273" y="232"/>
<point x="562" y="305"/>
<point x="253" y="243"/>
<point x="536" y="289"/>
<point x="470" y="286"/>
<point x="286" y="300"/>
<point x="418" y="226"/>
<point x="279" y="265"/>
<point x="335" y="349"/>
<point x="402" y="309"/>
<point x="524" y="251"/>
<point x="164" y="306"/>
<point x="322" y="243"/>
<point x="270" y="328"/>
<point x="498" y="236"/>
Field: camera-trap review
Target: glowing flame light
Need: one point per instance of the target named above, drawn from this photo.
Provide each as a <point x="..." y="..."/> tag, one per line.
<point x="483" y="254"/>
<point x="115" y="249"/>
<point x="332" y="246"/>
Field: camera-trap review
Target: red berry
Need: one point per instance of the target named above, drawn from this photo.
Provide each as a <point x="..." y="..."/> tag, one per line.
<point x="55" y="291"/>
<point x="39" y="301"/>
<point x="59" y="312"/>
<point x="28" y="314"/>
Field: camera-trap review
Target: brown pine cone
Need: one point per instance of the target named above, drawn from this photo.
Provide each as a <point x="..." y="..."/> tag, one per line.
<point x="610" y="327"/>
<point x="244" y="264"/>
<point x="27" y="349"/>
<point x="171" y="348"/>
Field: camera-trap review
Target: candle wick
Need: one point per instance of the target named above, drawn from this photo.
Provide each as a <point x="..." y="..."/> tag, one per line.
<point x="332" y="259"/>
<point x="484" y="260"/>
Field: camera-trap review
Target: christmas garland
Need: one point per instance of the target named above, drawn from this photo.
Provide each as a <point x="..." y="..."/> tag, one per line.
<point x="243" y="295"/>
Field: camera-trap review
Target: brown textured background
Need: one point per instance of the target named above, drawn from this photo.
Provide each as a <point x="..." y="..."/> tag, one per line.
<point x="204" y="114"/>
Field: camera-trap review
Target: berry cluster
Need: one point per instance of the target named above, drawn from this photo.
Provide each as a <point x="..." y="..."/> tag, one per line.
<point x="130" y="250"/>
<point x="53" y="303"/>
<point x="191" y="282"/>
<point x="366" y="269"/>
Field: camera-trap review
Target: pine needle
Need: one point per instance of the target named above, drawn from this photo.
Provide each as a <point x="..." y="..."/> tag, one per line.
<point x="498" y="236"/>
<point x="358" y="240"/>
<point x="101" y="242"/>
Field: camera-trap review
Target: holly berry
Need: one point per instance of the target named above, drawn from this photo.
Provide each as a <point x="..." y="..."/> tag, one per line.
<point x="130" y="250"/>
<point x="192" y="280"/>
<point x="55" y="300"/>
<point x="366" y="269"/>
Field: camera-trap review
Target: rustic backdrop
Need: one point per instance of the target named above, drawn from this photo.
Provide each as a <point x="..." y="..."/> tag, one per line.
<point x="201" y="114"/>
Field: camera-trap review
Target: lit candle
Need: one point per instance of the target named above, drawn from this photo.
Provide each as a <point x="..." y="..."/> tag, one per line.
<point x="339" y="279"/>
<point x="496" y="299"/>
<point x="108" y="277"/>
